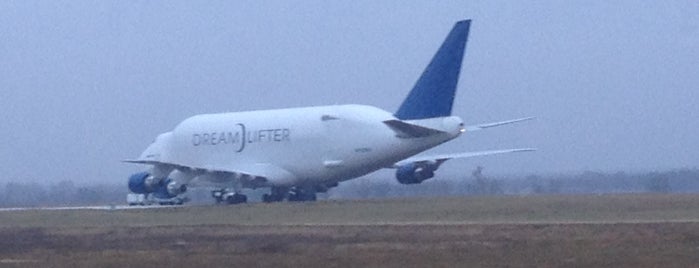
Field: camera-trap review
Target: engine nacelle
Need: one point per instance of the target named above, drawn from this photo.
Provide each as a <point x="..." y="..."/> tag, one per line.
<point x="175" y="188"/>
<point x="414" y="173"/>
<point x="144" y="183"/>
<point x="168" y="188"/>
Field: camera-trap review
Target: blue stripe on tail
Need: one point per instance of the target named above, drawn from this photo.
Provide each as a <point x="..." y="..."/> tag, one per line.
<point x="433" y="94"/>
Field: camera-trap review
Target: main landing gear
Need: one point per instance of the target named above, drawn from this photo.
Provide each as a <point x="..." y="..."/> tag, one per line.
<point x="302" y="195"/>
<point x="294" y="194"/>
<point x="277" y="194"/>
<point x="224" y="196"/>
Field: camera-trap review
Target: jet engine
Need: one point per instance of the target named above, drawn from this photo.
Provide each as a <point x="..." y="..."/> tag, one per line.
<point x="144" y="183"/>
<point x="414" y="173"/>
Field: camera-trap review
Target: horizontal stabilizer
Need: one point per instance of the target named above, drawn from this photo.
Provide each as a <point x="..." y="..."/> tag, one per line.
<point x="407" y="130"/>
<point x="496" y="124"/>
<point x="145" y="162"/>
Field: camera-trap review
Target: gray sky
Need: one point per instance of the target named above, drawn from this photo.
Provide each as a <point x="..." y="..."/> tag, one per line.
<point x="85" y="84"/>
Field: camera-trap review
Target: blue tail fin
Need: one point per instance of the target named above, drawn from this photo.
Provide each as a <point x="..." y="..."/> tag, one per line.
<point x="434" y="92"/>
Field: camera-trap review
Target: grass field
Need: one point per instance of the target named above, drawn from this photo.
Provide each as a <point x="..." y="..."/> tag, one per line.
<point x="534" y="231"/>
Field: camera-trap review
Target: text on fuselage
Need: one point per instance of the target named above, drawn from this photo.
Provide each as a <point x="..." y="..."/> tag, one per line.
<point x="236" y="137"/>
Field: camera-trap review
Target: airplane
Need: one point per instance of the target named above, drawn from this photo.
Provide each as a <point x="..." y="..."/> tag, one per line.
<point x="299" y="152"/>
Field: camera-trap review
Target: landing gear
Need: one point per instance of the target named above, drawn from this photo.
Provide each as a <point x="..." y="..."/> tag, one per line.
<point x="236" y="199"/>
<point x="302" y="194"/>
<point x="173" y="202"/>
<point x="277" y="194"/>
<point x="232" y="198"/>
<point x="294" y="194"/>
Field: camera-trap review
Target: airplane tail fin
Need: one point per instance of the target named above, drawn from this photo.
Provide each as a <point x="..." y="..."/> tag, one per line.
<point x="433" y="94"/>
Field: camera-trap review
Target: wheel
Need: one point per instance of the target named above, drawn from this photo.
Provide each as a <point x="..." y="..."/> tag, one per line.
<point x="302" y="195"/>
<point x="277" y="194"/>
<point x="241" y="198"/>
<point x="308" y="197"/>
<point x="218" y="195"/>
<point x="267" y="198"/>
<point x="312" y="197"/>
<point x="237" y="199"/>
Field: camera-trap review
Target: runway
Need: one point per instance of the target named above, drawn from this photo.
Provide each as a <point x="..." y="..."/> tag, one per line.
<point x="107" y="207"/>
<point x="504" y="231"/>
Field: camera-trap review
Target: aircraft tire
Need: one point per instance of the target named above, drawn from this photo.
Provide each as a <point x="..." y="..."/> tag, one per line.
<point x="309" y="197"/>
<point x="302" y="196"/>
<point x="270" y="198"/>
<point x="312" y="197"/>
<point x="294" y="198"/>
<point x="237" y="199"/>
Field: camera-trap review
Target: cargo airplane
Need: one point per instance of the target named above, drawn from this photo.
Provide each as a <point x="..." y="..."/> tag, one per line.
<point x="299" y="152"/>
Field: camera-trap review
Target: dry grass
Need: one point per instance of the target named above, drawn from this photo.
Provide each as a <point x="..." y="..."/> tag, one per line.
<point x="502" y="209"/>
<point x="477" y="232"/>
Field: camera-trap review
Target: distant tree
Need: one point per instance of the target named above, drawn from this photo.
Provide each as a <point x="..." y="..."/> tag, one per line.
<point x="536" y="184"/>
<point x="63" y="192"/>
<point x="378" y="189"/>
<point x="87" y="195"/>
<point x="554" y="186"/>
<point x="18" y="194"/>
<point x="483" y="185"/>
<point x="658" y="183"/>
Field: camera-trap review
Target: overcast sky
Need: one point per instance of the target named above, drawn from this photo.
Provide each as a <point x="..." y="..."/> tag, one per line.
<point x="85" y="84"/>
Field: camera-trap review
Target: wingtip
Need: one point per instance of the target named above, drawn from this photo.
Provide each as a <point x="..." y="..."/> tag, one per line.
<point x="526" y="150"/>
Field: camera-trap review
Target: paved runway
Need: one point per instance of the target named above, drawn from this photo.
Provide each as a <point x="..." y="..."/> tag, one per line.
<point x="107" y="207"/>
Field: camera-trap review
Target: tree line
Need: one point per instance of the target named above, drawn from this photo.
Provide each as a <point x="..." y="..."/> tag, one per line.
<point x="63" y="193"/>
<point x="476" y="182"/>
<point x="479" y="183"/>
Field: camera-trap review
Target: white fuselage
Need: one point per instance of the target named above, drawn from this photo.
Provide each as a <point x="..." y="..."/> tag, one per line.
<point x="314" y="144"/>
<point x="298" y="152"/>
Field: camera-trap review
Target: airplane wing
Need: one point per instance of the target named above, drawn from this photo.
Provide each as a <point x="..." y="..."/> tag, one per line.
<point x="496" y="124"/>
<point x="439" y="159"/>
<point x="253" y="175"/>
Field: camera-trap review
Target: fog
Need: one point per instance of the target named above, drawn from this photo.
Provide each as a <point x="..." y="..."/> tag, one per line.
<point x="85" y="84"/>
<point x="478" y="183"/>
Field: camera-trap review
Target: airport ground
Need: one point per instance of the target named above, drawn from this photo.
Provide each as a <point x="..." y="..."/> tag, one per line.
<point x="631" y="230"/>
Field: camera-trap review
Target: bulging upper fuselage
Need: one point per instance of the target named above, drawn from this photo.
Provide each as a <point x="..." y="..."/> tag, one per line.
<point x="314" y="144"/>
<point x="300" y="151"/>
